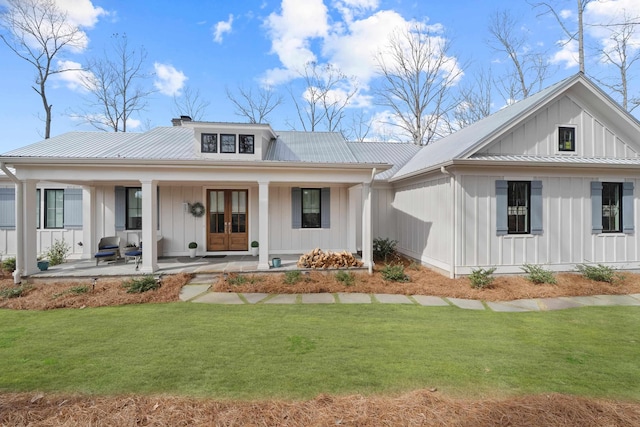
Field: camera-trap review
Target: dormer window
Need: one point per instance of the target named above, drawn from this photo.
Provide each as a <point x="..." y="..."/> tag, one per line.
<point x="209" y="143"/>
<point x="246" y="145"/>
<point x="227" y="143"/>
<point x="566" y="139"/>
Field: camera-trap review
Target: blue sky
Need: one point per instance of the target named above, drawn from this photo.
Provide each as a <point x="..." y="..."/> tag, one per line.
<point x="210" y="45"/>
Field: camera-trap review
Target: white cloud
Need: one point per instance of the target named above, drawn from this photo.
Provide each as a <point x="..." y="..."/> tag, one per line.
<point x="221" y="28"/>
<point x="566" y="13"/>
<point x="567" y="55"/>
<point x="82" y="12"/>
<point x="349" y="9"/>
<point x="612" y="12"/>
<point x="76" y="78"/>
<point x="169" y="81"/>
<point x="291" y="32"/>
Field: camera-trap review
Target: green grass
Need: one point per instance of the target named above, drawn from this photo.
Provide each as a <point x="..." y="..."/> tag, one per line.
<point x="260" y="351"/>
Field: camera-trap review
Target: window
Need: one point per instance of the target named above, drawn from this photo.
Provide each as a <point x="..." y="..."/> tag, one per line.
<point x="611" y="207"/>
<point x="518" y="202"/>
<point x="246" y="144"/>
<point x="134" y="208"/>
<point x="311" y="208"/>
<point x="209" y="143"/>
<point x="54" y="208"/>
<point x="566" y="139"/>
<point x="227" y="143"/>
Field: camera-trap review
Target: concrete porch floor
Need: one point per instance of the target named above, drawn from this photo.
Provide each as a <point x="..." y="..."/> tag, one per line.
<point x="166" y="265"/>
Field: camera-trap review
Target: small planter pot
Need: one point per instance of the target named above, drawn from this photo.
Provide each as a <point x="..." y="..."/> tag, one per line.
<point x="254" y="251"/>
<point x="192" y="252"/>
<point x="43" y="265"/>
<point x="276" y="263"/>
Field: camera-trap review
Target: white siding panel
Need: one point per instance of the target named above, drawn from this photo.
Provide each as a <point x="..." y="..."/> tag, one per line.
<point x="424" y="220"/>
<point x="284" y="239"/>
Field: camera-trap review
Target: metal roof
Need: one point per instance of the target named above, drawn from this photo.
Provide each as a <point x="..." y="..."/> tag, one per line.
<point x="75" y="145"/>
<point x="565" y="160"/>
<point x="313" y="147"/>
<point x="463" y="142"/>
<point x="396" y="154"/>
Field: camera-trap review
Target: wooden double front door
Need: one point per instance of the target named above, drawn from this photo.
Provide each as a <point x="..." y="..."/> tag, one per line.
<point x="227" y="220"/>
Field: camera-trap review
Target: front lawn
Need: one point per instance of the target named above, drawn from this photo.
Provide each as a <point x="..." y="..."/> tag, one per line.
<point x="297" y="352"/>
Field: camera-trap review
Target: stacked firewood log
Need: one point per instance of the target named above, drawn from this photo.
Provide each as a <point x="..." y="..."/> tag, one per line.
<point x="319" y="259"/>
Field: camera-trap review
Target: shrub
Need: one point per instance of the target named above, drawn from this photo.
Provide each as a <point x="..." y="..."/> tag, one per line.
<point x="13" y="292"/>
<point x="538" y="275"/>
<point x="76" y="290"/>
<point x="345" y="277"/>
<point x="292" y="277"/>
<point x="143" y="284"/>
<point x="481" y="278"/>
<point x="9" y="264"/>
<point x="236" y="280"/>
<point x="58" y="252"/>
<point x="599" y="273"/>
<point x="193" y="245"/>
<point x="394" y="273"/>
<point x="384" y="248"/>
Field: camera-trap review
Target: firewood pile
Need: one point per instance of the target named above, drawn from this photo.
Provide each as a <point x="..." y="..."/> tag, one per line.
<point x="319" y="259"/>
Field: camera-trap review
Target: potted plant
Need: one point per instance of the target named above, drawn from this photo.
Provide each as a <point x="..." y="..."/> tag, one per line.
<point x="254" y="248"/>
<point x="193" y="246"/>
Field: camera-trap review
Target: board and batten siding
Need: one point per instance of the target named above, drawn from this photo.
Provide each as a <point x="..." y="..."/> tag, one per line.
<point x="566" y="239"/>
<point x="424" y="219"/>
<point x="284" y="239"/>
<point x="383" y="218"/>
<point x="538" y="136"/>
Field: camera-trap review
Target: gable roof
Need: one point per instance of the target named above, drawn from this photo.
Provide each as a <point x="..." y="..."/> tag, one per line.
<point x="394" y="153"/>
<point x="314" y="147"/>
<point x="468" y="141"/>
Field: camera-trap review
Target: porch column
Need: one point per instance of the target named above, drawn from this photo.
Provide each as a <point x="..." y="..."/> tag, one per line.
<point x="88" y="222"/>
<point x="367" y="242"/>
<point x="263" y="225"/>
<point x="29" y="226"/>
<point x="149" y="226"/>
<point x="352" y="212"/>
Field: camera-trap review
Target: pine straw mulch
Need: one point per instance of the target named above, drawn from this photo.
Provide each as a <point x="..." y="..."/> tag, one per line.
<point x="107" y="292"/>
<point x="417" y="408"/>
<point x="424" y="281"/>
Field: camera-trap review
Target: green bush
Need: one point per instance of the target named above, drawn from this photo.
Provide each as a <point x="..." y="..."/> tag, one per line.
<point x="143" y="284"/>
<point x="383" y="248"/>
<point x="9" y="264"/>
<point x="538" y="275"/>
<point x="236" y="280"/>
<point x="347" y="278"/>
<point x="58" y="252"/>
<point x="394" y="273"/>
<point x="599" y="273"/>
<point x="481" y="278"/>
<point x="76" y="290"/>
<point x="292" y="277"/>
<point x="13" y="292"/>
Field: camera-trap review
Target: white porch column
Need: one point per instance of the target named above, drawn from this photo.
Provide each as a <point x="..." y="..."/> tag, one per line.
<point x="19" y="234"/>
<point x="352" y="212"/>
<point x="29" y="227"/>
<point x="263" y="225"/>
<point x="89" y="244"/>
<point x="149" y="226"/>
<point x="367" y="241"/>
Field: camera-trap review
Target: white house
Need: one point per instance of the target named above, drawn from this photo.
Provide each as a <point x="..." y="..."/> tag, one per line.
<point x="548" y="180"/>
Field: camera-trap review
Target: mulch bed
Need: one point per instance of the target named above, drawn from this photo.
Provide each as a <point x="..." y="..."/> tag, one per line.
<point x="417" y="408"/>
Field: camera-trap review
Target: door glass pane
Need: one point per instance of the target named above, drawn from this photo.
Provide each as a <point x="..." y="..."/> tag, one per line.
<point x="220" y="201"/>
<point x="234" y="202"/>
<point x="216" y="211"/>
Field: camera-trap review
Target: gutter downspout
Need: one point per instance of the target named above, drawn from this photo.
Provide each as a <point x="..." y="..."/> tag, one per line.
<point x="454" y="228"/>
<point x="17" y="274"/>
<point x="369" y="225"/>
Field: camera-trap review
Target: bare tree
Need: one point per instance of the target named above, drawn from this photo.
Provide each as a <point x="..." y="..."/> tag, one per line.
<point x="621" y="53"/>
<point x="38" y="32"/>
<point x="529" y="68"/>
<point x="191" y="104"/>
<point x="577" y="34"/>
<point x="474" y="101"/>
<point x="359" y="128"/>
<point x="254" y="105"/>
<point x="418" y="76"/>
<point x="328" y="92"/>
<point x="115" y="85"/>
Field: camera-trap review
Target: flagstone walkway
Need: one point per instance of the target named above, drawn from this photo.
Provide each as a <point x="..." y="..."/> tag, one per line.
<point x="198" y="292"/>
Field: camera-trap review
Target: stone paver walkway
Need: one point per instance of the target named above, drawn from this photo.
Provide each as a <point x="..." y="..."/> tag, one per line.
<point x="199" y="292"/>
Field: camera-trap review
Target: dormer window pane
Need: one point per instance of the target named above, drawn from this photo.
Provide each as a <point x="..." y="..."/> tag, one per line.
<point x="227" y="143"/>
<point x="246" y="144"/>
<point x="209" y="143"/>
